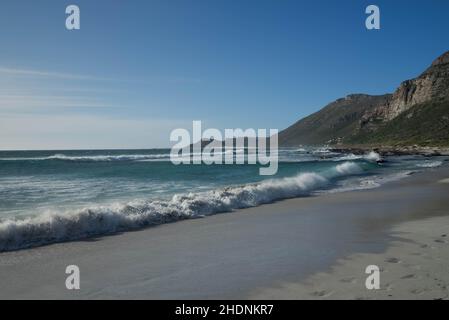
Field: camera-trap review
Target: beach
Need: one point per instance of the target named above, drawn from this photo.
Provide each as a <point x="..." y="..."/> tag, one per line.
<point x="413" y="267"/>
<point x="304" y="248"/>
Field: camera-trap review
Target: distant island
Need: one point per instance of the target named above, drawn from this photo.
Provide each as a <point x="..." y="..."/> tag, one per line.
<point x="414" y="117"/>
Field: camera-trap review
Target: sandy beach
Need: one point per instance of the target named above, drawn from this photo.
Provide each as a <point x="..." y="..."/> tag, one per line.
<point x="305" y="248"/>
<point x="413" y="267"/>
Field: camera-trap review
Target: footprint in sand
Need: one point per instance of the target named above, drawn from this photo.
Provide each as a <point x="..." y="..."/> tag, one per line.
<point x="417" y="291"/>
<point x="349" y="280"/>
<point x="322" y="293"/>
<point x="387" y="287"/>
<point x="393" y="260"/>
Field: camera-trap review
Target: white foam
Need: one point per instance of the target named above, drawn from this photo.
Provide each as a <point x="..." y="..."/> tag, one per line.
<point x="370" y="182"/>
<point x="430" y="164"/>
<point x="70" y="225"/>
<point x="373" y="156"/>
<point x="347" y="168"/>
<point x="122" y="157"/>
<point x="62" y="226"/>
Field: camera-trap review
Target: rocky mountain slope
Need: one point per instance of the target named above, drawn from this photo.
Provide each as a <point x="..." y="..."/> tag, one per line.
<point x="416" y="113"/>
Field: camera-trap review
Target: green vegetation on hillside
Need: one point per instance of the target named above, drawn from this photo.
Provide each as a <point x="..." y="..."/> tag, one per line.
<point x="417" y="113"/>
<point x="337" y="120"/>
<point x="424" y="125"/>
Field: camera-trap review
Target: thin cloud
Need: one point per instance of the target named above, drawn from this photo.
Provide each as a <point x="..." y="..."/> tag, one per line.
<point x="31" y="73"/>
<point x="47" y="74"/>
<point x="15" y="102"/>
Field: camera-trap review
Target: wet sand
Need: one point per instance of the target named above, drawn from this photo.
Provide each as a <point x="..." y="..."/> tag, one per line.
<point x="316" y="247"/>
<point x="415" y="266"/>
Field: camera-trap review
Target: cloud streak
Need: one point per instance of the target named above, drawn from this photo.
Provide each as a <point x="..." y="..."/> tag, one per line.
<point x="16" y="95"/>
<point x="31" y="73"/>
<point x="47" y="74"/>
<point x="15" y="102"/>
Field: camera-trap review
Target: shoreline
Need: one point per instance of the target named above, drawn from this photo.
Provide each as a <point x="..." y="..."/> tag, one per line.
<point x="392" y="150"/>
<point x="243" y="254"/>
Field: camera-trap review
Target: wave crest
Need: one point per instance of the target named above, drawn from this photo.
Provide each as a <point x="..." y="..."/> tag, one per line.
<point x="52" y="227"/>
<point x="121" y="157"/>
<point x="347" y="168"/>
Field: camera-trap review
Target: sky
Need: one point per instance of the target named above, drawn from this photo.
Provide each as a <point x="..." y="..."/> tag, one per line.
<point x="138" y="69"/>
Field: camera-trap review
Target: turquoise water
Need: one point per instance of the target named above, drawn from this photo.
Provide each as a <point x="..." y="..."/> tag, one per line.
<point x="50" y="196"/>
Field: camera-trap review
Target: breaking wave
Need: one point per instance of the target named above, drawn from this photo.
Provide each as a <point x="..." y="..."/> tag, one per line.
<point x="122" y="157"/>
<point x="371" y="156"/>
<point x="53" y="227"/>
<point x="347" y="168"/>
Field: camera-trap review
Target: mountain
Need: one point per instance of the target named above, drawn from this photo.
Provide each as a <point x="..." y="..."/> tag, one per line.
<point x="417" y="113"/>
<point x="333" y="123"/>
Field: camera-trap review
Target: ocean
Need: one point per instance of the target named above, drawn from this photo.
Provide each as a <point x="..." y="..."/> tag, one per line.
<point x="55" y="196"/>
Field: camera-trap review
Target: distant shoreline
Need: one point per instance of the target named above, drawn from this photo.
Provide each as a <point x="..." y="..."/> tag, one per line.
<point x="393" y="150"/>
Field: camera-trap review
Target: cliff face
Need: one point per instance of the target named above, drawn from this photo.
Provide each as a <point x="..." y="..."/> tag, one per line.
<point x="361" y="118"/>
<point x="431" y="85"/>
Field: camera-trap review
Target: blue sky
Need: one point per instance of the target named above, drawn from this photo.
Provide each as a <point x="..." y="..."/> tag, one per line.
<point x="138" y="69"/>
